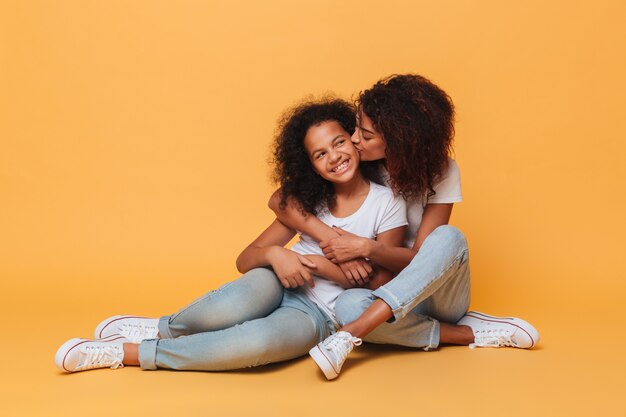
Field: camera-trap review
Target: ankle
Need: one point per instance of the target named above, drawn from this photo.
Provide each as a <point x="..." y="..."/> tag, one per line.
<point x="131" y="354"/>
<point x="466" y="334"/>
<point x="455" y="334"/>
<point x="353" y="328"/>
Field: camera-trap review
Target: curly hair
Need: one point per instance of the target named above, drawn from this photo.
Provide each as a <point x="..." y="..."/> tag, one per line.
<point x="293" y="170"/>
<point x="416" y="119"/>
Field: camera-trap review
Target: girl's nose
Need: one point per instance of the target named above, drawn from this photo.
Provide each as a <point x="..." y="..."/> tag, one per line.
<point x="335" y="156"/>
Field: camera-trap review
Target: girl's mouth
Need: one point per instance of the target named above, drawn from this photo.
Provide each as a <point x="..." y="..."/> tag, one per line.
<point x="341" y="167"/>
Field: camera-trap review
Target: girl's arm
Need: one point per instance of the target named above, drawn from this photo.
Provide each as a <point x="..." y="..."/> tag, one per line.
<point x="330" y="271"/>
<point x="293" y="217"/>
<point x="291" y="268"/>
<point x="393" y="258"/>
<point x="435" y="215"/>
<point x="354" y="270"/>
<point x="327" y="269"/>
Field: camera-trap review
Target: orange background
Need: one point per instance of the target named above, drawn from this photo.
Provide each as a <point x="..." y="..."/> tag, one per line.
<point x="134" y="139"/>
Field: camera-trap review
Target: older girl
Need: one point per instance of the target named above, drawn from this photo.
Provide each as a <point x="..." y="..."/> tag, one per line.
<point x="407" y="122"/>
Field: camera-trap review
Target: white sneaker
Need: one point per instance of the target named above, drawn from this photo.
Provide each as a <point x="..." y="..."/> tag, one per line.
<point x="491" y="331"/>
<point x="83" y="354"/>
<point x="332" y="352"/>
<point x="133" y="328"/>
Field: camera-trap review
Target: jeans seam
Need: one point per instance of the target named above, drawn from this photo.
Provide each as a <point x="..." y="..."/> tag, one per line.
<point x="194" y="304"/>
<point x="442" y="272"/>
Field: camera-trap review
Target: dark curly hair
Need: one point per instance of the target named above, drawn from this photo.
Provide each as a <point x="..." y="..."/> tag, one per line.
<point x="416" y="119"/>
<point x="293" y="170"/>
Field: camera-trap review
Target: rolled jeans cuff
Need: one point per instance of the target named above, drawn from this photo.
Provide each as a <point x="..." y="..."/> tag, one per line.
<point x="435" y="335"/>
<point x="147" y="354"/>
<point x="392" y="301"/>
<point x="164" y="328"/>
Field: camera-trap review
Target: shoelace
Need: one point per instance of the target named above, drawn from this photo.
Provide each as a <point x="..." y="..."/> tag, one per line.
<point x="100" y="356"/>
<point x="343" y="341"/>
<point x="492" y="338"/>
<point x="133" y="331"/>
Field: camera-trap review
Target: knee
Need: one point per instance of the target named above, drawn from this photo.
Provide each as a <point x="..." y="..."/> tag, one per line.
<point x="351" y="304"/>
<point x="450" y="236"/>
<point x="264" y="281"/>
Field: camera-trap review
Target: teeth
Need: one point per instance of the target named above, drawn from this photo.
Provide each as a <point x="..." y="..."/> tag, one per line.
<point x="341" y="166"/>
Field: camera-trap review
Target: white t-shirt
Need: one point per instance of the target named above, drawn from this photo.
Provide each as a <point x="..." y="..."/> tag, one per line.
<point x="381" y="211"/>
<point x="447" y="190"/>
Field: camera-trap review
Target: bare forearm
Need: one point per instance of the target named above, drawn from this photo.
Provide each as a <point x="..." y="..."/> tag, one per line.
<point x="255" y="257"/>
<point x="310" y="225"/>
<point x="292" y="217"/>
<point x="393" y="258"/>
<point x="328" y="270"/>
<point x="381" y="277"/>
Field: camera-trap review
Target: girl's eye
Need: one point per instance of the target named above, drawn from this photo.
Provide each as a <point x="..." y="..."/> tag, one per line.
<point x="320" y="155"/>
<point x="367" y="137"/>
<point x="341" y="142"/>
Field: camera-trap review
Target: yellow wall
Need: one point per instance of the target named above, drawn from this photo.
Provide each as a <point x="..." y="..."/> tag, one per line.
<point x="135" y="135"/>
<point x="134" y="139"/>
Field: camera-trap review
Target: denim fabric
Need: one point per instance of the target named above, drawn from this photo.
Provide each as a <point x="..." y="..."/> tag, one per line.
<point x="434" y="287"/>
<point x="254" y="295"/>
<point x="248" y="322"/>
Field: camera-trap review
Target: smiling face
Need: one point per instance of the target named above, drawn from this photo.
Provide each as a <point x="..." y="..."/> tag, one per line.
<point x="331" y="152"/>
<point x="368" y="141"/>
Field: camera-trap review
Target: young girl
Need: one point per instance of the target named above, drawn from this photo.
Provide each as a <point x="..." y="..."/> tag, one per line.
<point x="253" y="321"/>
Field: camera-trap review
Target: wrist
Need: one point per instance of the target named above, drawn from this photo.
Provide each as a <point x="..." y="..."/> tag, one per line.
<point x="329" y="233"/>
<point x="371" y="248"/>
<point x="272" y="254"/>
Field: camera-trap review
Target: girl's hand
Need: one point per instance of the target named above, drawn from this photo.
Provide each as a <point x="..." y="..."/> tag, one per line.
<point x="291" y="268"/>
<point x="357" y="271"/>
<point x="345" y="247"/>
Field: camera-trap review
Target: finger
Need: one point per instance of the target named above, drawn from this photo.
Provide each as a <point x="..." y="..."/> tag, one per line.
<point x="364" y="275"/>
<point x="359" y="282"/>
<point x="293" y="282"/>
<point x="350" y="277"/>
<point x="327" y="249"/>
<point x="358" y="277"/>
<point x="362" y="263"/>
<point x="306" y="262"/>
<point x="324" y="243"/>
<point x="299" y="280"/>
<point x="285" y="283"/>
<point x="308" y="278"/>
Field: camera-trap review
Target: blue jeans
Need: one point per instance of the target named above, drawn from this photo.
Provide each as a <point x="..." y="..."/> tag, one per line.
<point x="434" y="287"/>
<point x="248" y="322"/>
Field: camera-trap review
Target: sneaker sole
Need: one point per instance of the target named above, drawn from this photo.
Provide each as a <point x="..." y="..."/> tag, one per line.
<point x="323" y="363"/>
<point x="524" y="326"/>
<point x="67" y="347"/>
<point x="107" y="322"/>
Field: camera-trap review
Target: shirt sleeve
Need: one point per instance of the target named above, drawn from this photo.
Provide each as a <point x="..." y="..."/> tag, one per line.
<point x="448" y="188"/>
<point x="394" y="214"/>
